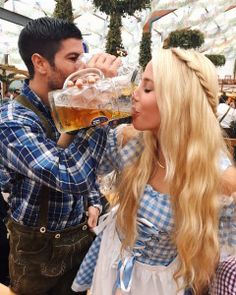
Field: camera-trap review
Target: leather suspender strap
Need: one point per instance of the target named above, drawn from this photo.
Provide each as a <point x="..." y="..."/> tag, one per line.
<point x="44" y="192"/>
<point x="43" y="208"/>
<point x="28" y="104"/>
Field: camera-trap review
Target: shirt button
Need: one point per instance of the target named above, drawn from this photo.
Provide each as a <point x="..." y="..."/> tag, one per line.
<point x="42" y="229"/>
<point x="84" y="227"/>
<point x="57" y="236"/>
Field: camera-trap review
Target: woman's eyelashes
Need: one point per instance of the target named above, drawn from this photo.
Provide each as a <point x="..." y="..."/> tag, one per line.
<point x="147" y="90"/>
<point x="147" y="86"/>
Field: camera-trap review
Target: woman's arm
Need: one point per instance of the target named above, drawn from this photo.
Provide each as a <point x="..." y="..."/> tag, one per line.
<point x="122" y="148"/>
<point x="228" y="181"/>
<point x="125" y="135"/>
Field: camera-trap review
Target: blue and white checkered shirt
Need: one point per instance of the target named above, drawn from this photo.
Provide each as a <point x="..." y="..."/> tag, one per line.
<point x="154" y="219"/>
<point x="29" y="160"/>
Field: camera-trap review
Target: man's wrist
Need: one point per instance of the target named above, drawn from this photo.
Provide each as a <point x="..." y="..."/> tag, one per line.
<point x="73" y="132"/>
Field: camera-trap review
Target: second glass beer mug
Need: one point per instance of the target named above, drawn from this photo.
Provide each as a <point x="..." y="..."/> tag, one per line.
<point x="94" y="103"/>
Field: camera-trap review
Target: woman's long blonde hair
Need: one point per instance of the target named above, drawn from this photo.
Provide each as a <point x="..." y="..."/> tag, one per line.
<point x="190" y="138"/>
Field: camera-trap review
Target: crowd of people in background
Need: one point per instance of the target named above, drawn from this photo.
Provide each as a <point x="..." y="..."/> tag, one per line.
<point x="226" y="113"/>
<point x="9" y="95"/>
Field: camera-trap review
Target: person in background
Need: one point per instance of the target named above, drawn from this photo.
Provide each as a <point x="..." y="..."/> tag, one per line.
<point x="232" y="102"/>
<point x="223" y="97"/>
<point x="15" y="93"/>
<point x="162" y="237"/>
<point x="226" y="113"/>
<point x="51" y="187"/>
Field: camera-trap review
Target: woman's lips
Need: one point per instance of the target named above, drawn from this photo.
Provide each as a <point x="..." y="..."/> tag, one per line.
<point x="134" y="113"/>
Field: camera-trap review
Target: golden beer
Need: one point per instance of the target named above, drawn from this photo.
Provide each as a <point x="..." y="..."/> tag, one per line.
<point x="73" y="118"/>
<point x="108" y="99"/>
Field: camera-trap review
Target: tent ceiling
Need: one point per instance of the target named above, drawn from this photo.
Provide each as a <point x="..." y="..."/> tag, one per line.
<point x="215" y="18"/>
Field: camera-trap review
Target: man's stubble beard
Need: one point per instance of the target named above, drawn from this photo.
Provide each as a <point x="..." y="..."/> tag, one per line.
<point x="56" y="81"/>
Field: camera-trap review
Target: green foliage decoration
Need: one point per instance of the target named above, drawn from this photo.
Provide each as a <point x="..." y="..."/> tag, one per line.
<point x="114" y="40"/>
<point x="63" y="10"/>
<point x="145" y="49"/>
<point x="185" y="38"/>
<point x="116" y="9"/>
<point x="121" y="6"/>
<point x="217" y="59"/>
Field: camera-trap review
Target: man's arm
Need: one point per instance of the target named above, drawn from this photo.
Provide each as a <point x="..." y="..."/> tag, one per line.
<point x="26" y="150"/>
<point x="94" y="202"/>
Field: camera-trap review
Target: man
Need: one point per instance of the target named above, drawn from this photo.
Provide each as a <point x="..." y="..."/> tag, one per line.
<point x="51" y="187"/>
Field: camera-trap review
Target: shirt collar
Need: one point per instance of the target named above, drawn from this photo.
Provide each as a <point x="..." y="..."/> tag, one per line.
<point x="35" y="99"/>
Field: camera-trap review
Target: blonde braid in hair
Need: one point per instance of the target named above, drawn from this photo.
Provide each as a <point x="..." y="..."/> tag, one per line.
<point x="181" y="55"/>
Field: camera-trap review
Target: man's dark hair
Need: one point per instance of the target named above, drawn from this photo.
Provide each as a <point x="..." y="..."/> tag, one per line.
<point x="44" y="36"/>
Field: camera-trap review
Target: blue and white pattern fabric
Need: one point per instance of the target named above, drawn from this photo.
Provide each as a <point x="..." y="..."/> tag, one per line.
<point x="154" y="221"/>
<point x="227" y="227"/>
<point x="224" y="282"/>
<point x="29" y="160"/>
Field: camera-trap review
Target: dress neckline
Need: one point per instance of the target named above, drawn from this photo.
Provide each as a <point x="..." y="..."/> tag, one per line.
<point x="151" y="188"/>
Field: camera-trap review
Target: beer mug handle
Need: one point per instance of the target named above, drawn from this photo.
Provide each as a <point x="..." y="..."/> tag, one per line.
<point x="82" y="73"/>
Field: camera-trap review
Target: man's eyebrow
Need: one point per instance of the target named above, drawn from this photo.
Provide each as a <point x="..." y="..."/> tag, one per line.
<point x="74" y="53"/>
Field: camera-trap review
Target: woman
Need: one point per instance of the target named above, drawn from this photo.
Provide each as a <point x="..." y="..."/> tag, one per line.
<point x="162" y="238"/>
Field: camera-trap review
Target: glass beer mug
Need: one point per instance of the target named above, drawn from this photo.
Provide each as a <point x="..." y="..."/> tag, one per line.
<point x="93" y="104"/>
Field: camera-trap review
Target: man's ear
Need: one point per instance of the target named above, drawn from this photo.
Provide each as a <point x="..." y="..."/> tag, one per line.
<point x="40" y="63"/>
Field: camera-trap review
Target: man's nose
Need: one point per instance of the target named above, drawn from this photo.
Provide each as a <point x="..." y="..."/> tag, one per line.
<point x="80" y="64"/>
